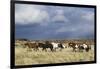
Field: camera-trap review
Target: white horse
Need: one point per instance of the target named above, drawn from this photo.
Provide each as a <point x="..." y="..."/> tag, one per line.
<point x="57" y="45"/>
<point x="85" y="46"/>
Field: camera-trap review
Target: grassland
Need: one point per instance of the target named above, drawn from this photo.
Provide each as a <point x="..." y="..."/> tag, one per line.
<point x="24" y="57"/>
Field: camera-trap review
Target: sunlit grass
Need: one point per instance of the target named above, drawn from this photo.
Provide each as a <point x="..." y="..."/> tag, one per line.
<point x="24" y="57"/>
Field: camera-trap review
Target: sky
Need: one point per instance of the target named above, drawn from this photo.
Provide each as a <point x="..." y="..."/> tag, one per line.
<point x="39" y="22"/>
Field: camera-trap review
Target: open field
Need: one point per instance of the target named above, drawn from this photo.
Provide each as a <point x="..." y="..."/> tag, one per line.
<point x="24" y="57"/>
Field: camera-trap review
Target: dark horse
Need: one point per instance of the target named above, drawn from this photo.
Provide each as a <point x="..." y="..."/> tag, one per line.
<point x="84" y="47"/>
<point x="45" y="45"/>
<point x="60" y="46"/>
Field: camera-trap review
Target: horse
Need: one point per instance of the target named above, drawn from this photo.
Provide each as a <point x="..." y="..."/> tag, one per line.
<point x="84" y="47"/>
<point x="80" y="47"/>
<point x="33" y="46"/>
<point x="73" y="45"/>
<point x="57" y="45"/>
<point x="45" y="45"/>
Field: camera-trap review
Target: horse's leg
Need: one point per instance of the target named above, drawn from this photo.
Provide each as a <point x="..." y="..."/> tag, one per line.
<point x="37" y="49"/>
<point x="52" y="49"/>
<point x="45" y="49"/>
<point x="42" y="49"/>
<point x="79" y="49"/>
<point x="73" y="49"/>
<point x="55" y="49"/>
<point x="87" y="49"/>
<point x="34" y="49"/>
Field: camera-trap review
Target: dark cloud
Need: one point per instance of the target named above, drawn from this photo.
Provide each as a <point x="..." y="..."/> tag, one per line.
<point x="55" y="23"/>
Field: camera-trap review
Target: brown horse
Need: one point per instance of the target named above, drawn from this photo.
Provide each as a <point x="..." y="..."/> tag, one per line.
<point x="72" y="45"/>
<point x="33" y="46"/>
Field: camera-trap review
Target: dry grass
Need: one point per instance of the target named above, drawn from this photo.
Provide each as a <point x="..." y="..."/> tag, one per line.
<point x="24" y="57"/>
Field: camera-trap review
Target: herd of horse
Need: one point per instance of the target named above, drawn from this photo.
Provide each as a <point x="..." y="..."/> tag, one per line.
<point x="53" y="46"/>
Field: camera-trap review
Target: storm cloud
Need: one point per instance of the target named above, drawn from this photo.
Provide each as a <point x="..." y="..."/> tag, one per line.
<point x="53" y="22"/>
